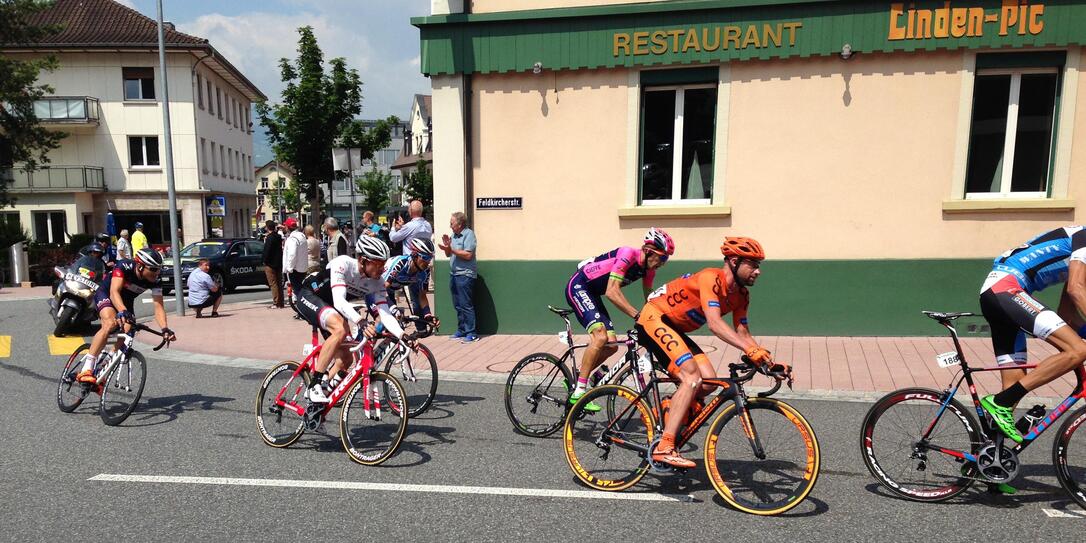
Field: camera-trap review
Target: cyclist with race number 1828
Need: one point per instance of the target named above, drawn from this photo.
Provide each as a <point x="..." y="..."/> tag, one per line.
<point x="686" y="304"/>
<point x="115" y="301"/>
<point x="604" y="277"/>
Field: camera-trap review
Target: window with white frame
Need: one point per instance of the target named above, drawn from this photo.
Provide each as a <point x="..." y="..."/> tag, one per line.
<point x="1011" y="135"/>
<point x="678" y="125"/>
<point x="139" y="83"/>
<point x="49" y="226"/>
<point x="143" y="151"/>
<point x="218" y="101"/>
<point x="222" y="160"/>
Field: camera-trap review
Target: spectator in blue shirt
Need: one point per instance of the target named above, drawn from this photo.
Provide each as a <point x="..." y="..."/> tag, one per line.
<point x="460" y="249"/>
<point x="203" y="291"/>
<point x="417" y="227"/>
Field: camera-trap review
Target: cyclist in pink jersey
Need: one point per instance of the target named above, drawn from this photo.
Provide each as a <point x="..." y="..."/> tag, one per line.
<point x="604" y="277"/>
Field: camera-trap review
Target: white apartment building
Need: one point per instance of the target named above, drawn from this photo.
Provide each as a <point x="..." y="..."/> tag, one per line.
<point x="107" y="99"/>
<point x="270" y="178"/>
<point x="416" y="140"/>
<point x="383" y="159"/>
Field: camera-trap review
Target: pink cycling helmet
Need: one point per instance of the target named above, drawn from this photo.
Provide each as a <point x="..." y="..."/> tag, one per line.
<point x="658" y="239"/>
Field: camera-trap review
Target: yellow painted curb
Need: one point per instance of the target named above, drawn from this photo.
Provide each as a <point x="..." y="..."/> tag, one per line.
<point x="5" y="346"/>
<point x="63" y="345"/>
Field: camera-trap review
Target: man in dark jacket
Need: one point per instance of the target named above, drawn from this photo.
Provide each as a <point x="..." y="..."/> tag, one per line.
<point x="273" y="262"/>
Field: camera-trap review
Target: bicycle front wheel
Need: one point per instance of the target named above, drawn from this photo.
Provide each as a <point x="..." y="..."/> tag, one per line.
<point x="606" y="449"/>
<point x="1070" y="459"/>
<point x="122" y="388"/>
<point x="279" y="425"/>
<point x="374" y="419"/>
<point x="71" y="393"/>
<point x="537" y="394"/>
<point x="892" y="445"/>
<point x="782" y="476"/>
<point x="418" y="375"/>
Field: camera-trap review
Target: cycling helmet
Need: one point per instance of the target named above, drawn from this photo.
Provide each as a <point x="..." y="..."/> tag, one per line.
<point x="660" y="241"/>
<point x="742" y="247"/>
<point x="372" y="248"/>
<point x="103" y="238"/>
<point x="96" y="247"/>
<point x="149" y="258"/>
<point x="421" y="246"/>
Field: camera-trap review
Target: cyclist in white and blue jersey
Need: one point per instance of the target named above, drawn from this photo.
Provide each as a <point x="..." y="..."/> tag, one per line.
<point x="1054" y="257"/>
<point x="412" y="271"/>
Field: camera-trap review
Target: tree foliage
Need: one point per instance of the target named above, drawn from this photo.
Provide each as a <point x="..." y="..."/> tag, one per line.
<point x="22" y="140"/>
<point x="286" y="195"/>
<point x="419" y="185"/>
<point x="374" y="187"/>
<point x="316" y="107"/>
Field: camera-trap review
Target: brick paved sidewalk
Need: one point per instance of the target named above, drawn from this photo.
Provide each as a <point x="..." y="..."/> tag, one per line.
<point x="840" y="364"/>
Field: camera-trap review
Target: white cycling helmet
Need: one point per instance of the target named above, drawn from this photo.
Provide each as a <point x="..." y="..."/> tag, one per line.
<point x="421" y="246"/>
<point x="149" y="258"/>
<point x="372" y="248"/>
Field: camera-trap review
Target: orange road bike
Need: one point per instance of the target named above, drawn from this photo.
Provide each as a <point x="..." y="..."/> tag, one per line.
<point x="765" y="463"/>
<point x="373" y="417"/>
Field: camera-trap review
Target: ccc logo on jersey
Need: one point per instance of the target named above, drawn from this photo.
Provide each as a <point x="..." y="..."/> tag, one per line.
<point x="677" y="298"/>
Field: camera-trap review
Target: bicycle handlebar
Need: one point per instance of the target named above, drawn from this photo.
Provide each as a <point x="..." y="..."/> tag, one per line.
<point x="745" y="372"/>
<point x="423" y="326"/>
<point x="144" y="328"/>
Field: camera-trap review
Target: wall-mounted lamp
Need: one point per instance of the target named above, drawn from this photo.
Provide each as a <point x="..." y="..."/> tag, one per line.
<point x="537" y="68"/>
<point x="846" y="51"/>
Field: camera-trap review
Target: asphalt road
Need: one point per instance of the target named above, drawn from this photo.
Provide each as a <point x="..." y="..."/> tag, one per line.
<point x="197" y="420"/>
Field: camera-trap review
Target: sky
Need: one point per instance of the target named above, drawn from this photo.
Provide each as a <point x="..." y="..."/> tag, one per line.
<point x="374" y="36"/>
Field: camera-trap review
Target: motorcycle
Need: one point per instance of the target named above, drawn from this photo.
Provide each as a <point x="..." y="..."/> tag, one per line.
<point x="72" y="304"/>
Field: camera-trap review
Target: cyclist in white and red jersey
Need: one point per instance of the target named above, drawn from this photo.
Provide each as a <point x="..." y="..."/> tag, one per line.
<point x="323" y="302"/>
<point x="115" y="300"/>
<point x="604" y="277"/>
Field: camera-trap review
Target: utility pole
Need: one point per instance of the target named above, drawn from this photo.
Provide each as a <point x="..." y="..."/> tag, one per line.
<point x="354" y="210"/>
<point x="175" y="247"/>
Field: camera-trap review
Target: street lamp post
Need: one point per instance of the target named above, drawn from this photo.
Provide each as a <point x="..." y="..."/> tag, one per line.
<point x="171" y="193"/>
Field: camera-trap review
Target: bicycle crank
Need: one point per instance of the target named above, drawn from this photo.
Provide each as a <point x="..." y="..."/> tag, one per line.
<point x="658" y="467"/>
<point x="314" y="416"/>
<point x="997" y="463"/>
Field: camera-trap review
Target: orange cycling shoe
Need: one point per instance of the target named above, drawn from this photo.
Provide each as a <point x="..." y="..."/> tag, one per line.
<point x="671" y="457"/>
<point x="86" y="376"/>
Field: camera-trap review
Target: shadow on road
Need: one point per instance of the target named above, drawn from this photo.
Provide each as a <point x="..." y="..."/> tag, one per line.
<point x="1030" y="491"/>
<point x="154" y="411"/>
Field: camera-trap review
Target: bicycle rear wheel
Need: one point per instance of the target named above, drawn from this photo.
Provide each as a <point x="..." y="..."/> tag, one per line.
<point x="891" y="445"/>
<point x="537" y="394"/>
<point x="607" y="452"/>
<point x="280" y="426"/>
<point x="783" y="477"/>
<point x="372" y="434"/>
<point x="1070" y="459"/>
<point x="71" y="393"/>
<point x="122" y="388"/>
<point x="417" y="373"/>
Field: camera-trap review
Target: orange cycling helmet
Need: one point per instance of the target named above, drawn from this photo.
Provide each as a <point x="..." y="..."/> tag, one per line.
<point x="742" y="247"/>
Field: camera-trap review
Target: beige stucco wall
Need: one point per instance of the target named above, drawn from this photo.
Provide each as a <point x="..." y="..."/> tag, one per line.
<point x="825" y="159"/>
<point x="486" y="6"/>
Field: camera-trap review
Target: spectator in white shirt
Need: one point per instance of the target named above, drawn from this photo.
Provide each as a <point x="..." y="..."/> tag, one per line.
<point x="124" y="247"/>
<point x="203" y="291"/>
<point x="295" y="255"/>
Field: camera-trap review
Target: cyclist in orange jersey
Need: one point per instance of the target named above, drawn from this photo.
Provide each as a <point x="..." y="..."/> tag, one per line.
<point x="686" y="304"/>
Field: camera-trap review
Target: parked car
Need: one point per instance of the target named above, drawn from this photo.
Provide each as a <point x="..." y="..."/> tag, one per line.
<point x="234" y="263"/>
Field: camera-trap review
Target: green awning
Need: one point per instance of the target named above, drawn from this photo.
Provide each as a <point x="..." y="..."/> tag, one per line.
<point x="711" y="31"/>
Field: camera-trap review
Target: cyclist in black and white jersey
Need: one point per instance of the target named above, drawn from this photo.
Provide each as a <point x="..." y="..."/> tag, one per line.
<point x="323" y="303"/>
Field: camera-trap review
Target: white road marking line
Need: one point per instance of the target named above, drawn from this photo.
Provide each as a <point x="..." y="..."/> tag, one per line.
<point x="393" y="487"/>
<point x="1056" y="513"/>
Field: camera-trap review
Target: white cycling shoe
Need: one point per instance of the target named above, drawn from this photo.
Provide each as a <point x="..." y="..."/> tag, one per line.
<point x="316" y="394"/>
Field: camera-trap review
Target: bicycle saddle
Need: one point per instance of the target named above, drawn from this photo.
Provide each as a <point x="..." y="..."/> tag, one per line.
<point x="941" y="316"/>
<point x="562" y="312"/>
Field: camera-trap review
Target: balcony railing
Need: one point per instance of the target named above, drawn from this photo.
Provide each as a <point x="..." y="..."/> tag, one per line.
<point x="55" y="179"/>
<point x="67" y="110"/>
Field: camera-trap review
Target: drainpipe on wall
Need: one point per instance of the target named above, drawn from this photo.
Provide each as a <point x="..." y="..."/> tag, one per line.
<point x="469" y="177"/>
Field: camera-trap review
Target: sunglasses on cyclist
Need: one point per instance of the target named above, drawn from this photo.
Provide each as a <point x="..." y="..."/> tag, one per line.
<point x="425" y="258"/>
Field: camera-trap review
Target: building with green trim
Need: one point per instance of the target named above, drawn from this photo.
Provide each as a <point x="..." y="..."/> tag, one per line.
<point x="882" y="152"/>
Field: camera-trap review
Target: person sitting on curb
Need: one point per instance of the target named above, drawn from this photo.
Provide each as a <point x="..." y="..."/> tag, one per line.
<point x="203" y="291"/>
